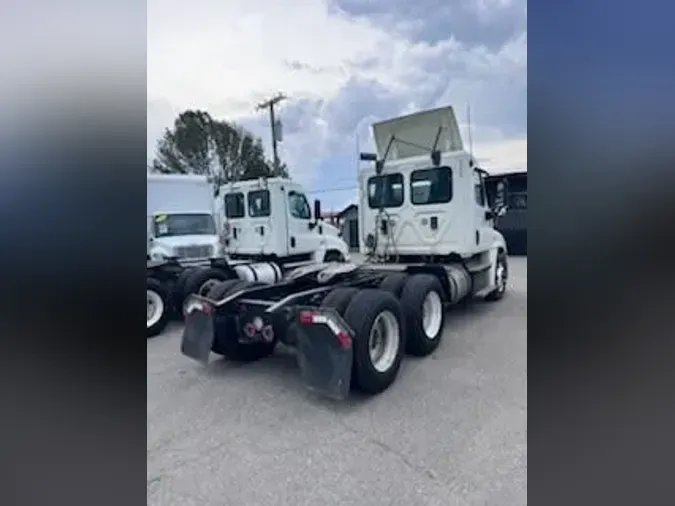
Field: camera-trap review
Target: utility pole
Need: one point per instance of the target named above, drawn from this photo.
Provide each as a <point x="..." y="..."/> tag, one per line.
<point x="269" y="104"/>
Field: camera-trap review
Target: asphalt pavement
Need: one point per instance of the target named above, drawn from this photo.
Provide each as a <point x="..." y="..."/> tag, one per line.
<point x="452" y="429"/>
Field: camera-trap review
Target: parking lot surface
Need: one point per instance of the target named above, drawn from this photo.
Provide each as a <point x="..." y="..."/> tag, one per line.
<point x="452" y="429"/>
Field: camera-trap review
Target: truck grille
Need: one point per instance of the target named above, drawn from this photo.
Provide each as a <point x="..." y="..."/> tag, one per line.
<point x="191" y="252"/>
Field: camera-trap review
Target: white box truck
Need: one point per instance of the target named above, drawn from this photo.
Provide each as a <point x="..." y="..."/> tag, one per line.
<point x="181" y="219"/>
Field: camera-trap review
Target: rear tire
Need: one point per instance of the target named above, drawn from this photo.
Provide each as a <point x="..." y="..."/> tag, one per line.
<point x="158" y="307"/>
<point x="394" y="283"/>
<point x="422" y="303"/>
<point x="375" y="317"/>
<point x="179" y="287"/>
<point x="339" y="299"/>
<point x="218" y="292"/>
<point x="202" y="279"/>
<point x="226" y="330"/>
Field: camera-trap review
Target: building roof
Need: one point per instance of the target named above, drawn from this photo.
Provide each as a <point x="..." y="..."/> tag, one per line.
<point x="346" y="210"/>
<point x="508" y="174"/>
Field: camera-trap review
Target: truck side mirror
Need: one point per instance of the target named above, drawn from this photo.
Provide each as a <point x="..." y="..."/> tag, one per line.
<point x="317" y="210"/>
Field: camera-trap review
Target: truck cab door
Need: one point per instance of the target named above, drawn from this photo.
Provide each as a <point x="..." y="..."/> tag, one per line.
<point x="483" y="220"/>
<point x="303" y="236"/>
<point x="234" y="212"/>
<point x="258" y="233"/>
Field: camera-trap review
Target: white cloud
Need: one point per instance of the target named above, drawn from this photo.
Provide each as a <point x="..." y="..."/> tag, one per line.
<point x="226" y="56"/>
<point x="503" y="156"/>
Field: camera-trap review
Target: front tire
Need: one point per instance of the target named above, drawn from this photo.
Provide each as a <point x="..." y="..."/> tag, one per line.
<point x="375" y="317"/>
<point x="501" y="278"/>
<point x="158" y="306"/>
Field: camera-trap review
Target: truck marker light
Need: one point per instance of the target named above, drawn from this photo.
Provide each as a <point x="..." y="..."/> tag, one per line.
<point x="344" y="339"/>
<point x="249" y="330"/>
<point x="306" y="317"/>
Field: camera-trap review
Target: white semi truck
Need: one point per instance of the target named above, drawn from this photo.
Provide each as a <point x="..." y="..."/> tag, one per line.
<point x="428" y="231"/>
<point x="271" y="219"/>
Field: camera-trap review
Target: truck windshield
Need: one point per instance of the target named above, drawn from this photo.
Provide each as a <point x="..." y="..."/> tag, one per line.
<point x="168" y="225"/>
<point x="385" y="191"/>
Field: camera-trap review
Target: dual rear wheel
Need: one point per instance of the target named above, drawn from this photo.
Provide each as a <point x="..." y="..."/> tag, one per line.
<point x="405" y="314"/>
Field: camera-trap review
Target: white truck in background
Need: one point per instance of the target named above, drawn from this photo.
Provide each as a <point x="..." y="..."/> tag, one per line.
<point x="181" y="218"/>
<point x="249" y="230"/>
<point x="270" y="219"/>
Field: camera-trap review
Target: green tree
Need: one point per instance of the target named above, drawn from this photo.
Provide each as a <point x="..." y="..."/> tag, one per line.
<point x="198" y="144"/>
<point x="187" y="148"/>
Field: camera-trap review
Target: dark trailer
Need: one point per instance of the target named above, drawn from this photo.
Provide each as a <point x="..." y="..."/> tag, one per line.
<point x="513" y="224"/>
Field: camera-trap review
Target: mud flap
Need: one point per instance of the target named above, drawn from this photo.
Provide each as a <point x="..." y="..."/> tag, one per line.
<point x="326" y="366"/>
<point x="198" y="336"/>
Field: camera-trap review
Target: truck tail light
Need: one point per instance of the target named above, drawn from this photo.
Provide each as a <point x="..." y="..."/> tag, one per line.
<point x="313" y="318"/>
<point x="196" y="305"/>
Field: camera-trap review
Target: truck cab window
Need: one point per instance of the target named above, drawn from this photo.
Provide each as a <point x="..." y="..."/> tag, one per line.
<point x="234" y="205"/>
<point x="478" y="189"/>
<point x="431" y="186"/>
<point x="385" y="191"/>
<point x="259" y="203"/>
<point x="299" y="206"/>
<point x="518" y="201"/>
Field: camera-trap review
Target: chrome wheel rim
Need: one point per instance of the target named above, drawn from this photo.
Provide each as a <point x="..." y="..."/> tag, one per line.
<point x="384" y="341"/>
<point x="155" y="308"/>
<point x="501" y="275"/>
<point x="432" y="315"/>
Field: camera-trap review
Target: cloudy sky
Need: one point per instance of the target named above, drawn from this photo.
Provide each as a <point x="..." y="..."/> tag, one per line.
<point x="343" y="64"/>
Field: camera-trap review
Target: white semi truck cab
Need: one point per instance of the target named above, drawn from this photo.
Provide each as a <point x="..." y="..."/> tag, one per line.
<point x="424" y="197"/>
<point x="181" y="220"/>
<point x="271" y="219"/>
